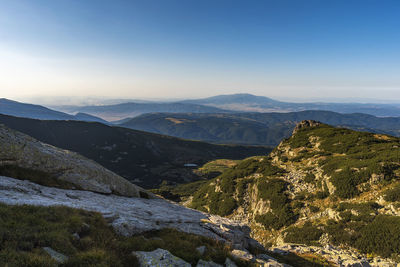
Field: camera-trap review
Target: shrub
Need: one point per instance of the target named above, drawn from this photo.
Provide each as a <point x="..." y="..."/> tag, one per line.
<point x="382" y="236"/>
<point x="309" y="178"/>
<point x="313" y="208"/>
<point x="321" y="194"/>
<point x="278" y="219"/>
<point x="393" y="195"/>
<point x="308" y="234"/>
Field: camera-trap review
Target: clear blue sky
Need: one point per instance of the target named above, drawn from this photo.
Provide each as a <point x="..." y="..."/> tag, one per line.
<point x="187" y="48"/>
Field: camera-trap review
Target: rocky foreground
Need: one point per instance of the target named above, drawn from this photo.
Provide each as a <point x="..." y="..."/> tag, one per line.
<point x="130" y="216"/>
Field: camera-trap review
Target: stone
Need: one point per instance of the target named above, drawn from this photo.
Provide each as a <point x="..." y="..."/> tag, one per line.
<point x="58" y="257"/>
<point x="230" y="263"/>
<point x="242" y="255"/>
<point x="202" y="263"/>
<point x="280" y="251"/>
<point x="76" y="236"/>
<point x="263" y="263"/>
<point x="159" y="258"/>
<point x="201" y="250"/>
<point x="266" y="257"/>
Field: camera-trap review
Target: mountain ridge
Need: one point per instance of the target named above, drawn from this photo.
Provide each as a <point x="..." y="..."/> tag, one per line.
<point x="18" y="109"/>
<point x="253" y="128"/>
<point x="254" y="103"/>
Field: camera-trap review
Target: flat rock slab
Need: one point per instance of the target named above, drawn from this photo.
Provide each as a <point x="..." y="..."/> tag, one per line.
<point x="127" y="215"/>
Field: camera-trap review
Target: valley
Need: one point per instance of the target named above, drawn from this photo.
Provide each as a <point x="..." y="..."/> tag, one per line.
<point x="145" y="159"/>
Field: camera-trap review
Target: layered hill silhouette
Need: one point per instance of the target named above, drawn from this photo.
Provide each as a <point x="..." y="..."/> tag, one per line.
<point x="252" y="103"/>
<point x="132" y="109"/>
<point x="253" y="128"/>
<point x="234" y="103"/>
<point x="18" y="109"/>
<point x="143" y="158"/>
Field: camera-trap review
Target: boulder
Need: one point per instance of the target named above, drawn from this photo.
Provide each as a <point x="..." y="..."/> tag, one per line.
<point x="242" y="255"/>
<point x="21" y="150"/>
<point x="159" y="258"/>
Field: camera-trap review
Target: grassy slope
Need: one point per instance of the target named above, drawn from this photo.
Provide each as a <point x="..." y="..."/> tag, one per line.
<point x="339" y="169"/>
<point x="25" y="230"/>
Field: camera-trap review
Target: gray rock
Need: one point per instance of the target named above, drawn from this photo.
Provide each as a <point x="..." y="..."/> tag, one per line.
<point x="24" y="151"/>
<point x="266" y="257"/>
<point x="76" y="236"/>
<point x="201" y="250"/>
<point x="159" y="258"/>
<point x="229" y="263"/>
<point x="280" y="251"/>
<point x="305" y="124"/>
<point x="242" y="255"/>
<point x="127" y="215"/>
<point x="202" y="263"/>
<point x="58" y="257"/>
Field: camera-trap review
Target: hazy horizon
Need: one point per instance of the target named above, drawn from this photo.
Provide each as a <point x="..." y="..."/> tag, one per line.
<point x="54" y="101"/>
<point x="307" y="50"/>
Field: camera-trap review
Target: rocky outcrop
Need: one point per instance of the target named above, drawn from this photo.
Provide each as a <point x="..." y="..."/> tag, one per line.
<point x="305" y="124"/>
<point x="21" y="150"/>
<point x="128" y="215"/>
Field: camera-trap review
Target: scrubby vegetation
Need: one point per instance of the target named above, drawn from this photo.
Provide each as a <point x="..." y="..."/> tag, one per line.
<point x="328" y="167"/>
<point x="282" y="214"/>
<point x="356" y="156"/>
<point x="378" y="235"/>
<point x="231" y="186"/>
<point x="25" y="230"/>
<point x="360" y="227"/>
<point x="307" y="234"/>
<point x="393" y="194"/>
<point x="179" y="192"/>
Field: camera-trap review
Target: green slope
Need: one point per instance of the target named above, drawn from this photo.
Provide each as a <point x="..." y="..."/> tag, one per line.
<point x="320" y="181"/>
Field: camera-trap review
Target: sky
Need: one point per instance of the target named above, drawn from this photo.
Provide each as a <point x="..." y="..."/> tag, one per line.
<point x="306" y="49"/>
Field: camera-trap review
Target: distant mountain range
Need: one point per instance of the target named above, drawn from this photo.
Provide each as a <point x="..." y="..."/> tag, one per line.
<point x="18" y="109"/>
<point x="252" y="103"/>
<point x="129" y="110"/>
<point x="227" y="104"/>
<point x="145" y="159"/>
<point x="253" y="128"/>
